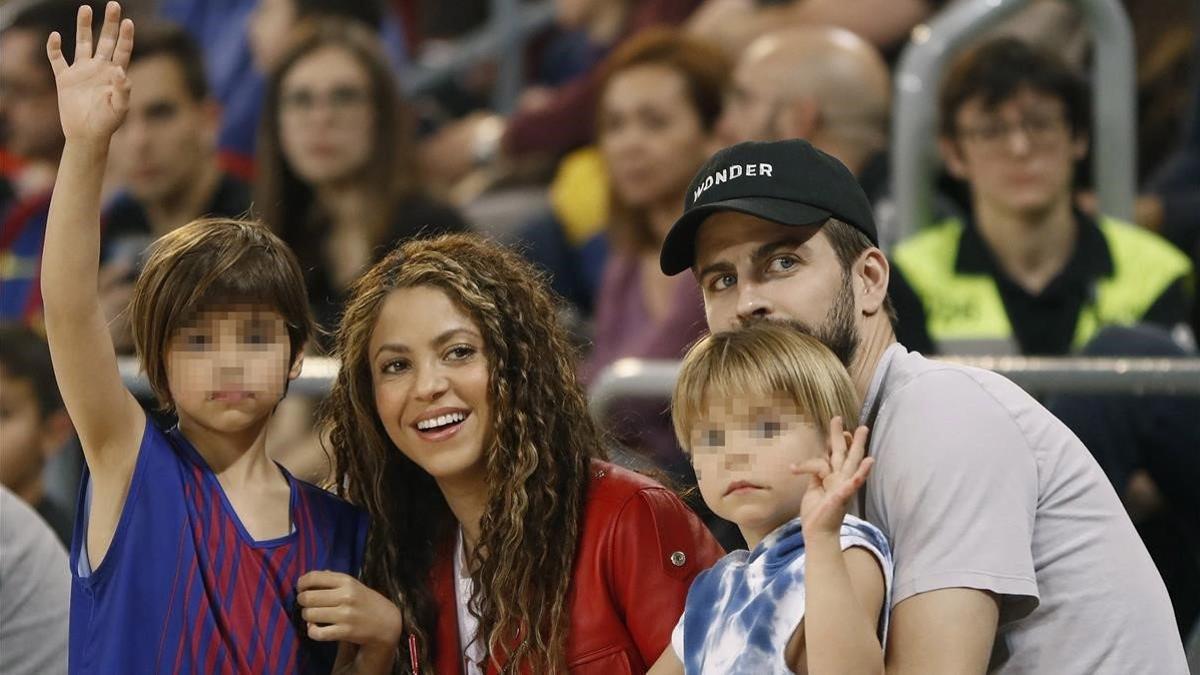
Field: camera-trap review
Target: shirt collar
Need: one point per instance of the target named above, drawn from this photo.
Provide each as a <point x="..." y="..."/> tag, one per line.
<point x="1090" y="259"/>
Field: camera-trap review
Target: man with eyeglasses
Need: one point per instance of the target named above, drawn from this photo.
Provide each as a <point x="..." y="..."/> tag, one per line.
<point x="1026" y="272"/>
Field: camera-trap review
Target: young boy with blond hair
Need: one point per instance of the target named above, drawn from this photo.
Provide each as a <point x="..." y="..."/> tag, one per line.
<point x="762" y="411"/>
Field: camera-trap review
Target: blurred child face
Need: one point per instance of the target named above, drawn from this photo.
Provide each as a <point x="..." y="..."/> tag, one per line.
<point x="742" y="450"/>
<point x="168" y="137"/>
<point x="27" y="436"/>
<point x="20" y="434"/>
<point x="326" y="117"/>
<point x="651" y="136"/>
<point x="430" y="374"/>
<point x="229" y="366"/>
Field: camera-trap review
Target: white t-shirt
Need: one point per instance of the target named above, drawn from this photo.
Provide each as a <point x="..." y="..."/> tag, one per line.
<point x="977" y="485"/>
<point x="472" y="649"/>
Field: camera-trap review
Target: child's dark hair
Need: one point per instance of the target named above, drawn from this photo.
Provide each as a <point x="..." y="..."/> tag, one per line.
<point x="210" y="263"/>
<point x="997" y="70"/>
<point x="24" y="355"/>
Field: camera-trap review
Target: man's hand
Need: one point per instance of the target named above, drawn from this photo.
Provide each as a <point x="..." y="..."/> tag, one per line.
<point x="93" y="92"/>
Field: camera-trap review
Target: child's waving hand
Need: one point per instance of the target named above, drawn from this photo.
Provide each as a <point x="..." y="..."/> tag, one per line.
<point x="93" y="92"/>
<point x="833" y="479"/>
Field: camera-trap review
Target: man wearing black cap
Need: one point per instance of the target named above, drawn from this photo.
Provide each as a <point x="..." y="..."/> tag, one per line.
<point x="1013" y="553"/>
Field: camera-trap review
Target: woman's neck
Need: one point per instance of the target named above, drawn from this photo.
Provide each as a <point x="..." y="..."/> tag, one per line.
<point x="467" y="497"/>
<point x="344" y="202"/>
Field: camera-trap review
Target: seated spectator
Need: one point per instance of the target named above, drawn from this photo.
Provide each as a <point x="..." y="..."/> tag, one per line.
<point x="832" y="88"/>
<point x="1025" y="272"/>
<point x="553" y="121"/>
<point x="166" y="151"/>
<point x="29" y="124"/>
<point x="337" y="176"/>
<point x="659" y="102"/>
<point x="241" y="38"/>
<point x="35" y="587"/>
<point x="34" y="425"/>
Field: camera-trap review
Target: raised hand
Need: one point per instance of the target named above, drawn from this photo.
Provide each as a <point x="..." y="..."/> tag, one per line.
<point x="93" y="92"/>
<point x="833" y="480"/>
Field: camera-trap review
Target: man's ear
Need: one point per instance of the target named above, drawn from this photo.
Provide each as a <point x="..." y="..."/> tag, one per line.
<point x="871" y="273"/>
<point x="55" y="432"/>
<point x="1079" y="145"/>
<point x="951" y="153"/>
<point x="210" y="111"/>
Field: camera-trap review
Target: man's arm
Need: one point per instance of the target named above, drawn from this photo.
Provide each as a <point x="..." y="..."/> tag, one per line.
<point x="923" y="626"/>
<point x="93" y="95"/>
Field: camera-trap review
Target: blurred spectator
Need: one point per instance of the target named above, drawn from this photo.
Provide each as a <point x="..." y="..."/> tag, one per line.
<point x="34" y="426"/>
<point x="337" y="176"/>
<point x="30" y="130"/>
<point x="831" y="88"/>
<point x="734" y="24"/>
<point x="660" y="98"/>
<point x="238" y="34"/>
<point x="551" y="122"/>
<point x="35" y="585"/>
<point x="1025" y="272"/>
<point x="166" y="151"/>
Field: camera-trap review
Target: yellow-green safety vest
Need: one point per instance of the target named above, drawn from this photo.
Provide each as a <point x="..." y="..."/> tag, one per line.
<point x="967" y="308"/>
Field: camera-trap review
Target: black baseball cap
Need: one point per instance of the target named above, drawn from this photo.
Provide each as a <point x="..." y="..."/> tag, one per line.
<point x="788" y="182"/>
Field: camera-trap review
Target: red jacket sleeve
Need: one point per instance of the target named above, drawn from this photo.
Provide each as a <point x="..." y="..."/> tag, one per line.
<point x="659" y="546"/>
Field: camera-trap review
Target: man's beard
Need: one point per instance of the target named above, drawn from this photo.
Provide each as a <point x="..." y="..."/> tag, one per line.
<point x="837" y="332"/>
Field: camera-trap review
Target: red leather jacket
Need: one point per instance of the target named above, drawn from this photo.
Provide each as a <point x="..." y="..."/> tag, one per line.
<point x="639" y="550"/>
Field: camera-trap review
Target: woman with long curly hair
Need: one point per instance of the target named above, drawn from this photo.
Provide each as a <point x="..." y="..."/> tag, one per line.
<point x="502" y="538"/>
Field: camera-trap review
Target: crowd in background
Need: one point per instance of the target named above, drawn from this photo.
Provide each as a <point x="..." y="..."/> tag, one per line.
<point x="293" y="112"/>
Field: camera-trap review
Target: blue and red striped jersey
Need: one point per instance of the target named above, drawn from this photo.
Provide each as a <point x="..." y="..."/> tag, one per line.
<point x="183" y="587"/>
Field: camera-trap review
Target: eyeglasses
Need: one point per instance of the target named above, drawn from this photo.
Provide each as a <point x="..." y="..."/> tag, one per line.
<point x="1041" y="129"/>
<point x="340" y="100"/>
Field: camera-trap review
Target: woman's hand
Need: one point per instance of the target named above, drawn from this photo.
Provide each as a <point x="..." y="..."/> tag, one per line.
<point x="339" y="607"/>
<point x="93" y="92"/>
<point x="834" y="480"/>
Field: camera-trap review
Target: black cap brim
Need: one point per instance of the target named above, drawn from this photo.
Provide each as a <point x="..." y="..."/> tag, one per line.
<point x="679" y="246"/>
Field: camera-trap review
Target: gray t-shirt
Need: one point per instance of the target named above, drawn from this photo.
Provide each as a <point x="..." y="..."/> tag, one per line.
<point x="977" y="485"/>
<point x="35" y="589"/>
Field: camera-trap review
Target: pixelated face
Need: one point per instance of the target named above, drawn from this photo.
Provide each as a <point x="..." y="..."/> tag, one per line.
<point x="651" y="136"/>
<point x="753" y="269"/>
<point x="429" y="368"/>
<point x="1018" y="157"/>
<point x="229" y="366"/>
<point x="742" y="449"/>
<point x="326" y="117"/>
<point x="29" y="125"/>
<point x="168" y="137"/>
<point x="21" y="455"/>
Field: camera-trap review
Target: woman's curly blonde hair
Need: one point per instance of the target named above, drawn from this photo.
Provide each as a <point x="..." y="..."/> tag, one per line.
<point x="537" y="468"/>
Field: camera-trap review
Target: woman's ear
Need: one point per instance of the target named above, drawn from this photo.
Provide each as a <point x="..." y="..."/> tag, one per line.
<point x="952" y="157"/>
<point x="297" y="366"/>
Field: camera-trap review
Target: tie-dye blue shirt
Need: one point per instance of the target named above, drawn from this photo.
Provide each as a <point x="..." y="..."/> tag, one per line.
<point x="741" y="613"/>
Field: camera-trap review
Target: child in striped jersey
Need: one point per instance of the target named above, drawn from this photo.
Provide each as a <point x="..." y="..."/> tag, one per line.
<point x="191" y="544"/>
